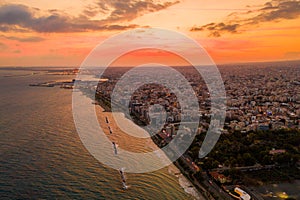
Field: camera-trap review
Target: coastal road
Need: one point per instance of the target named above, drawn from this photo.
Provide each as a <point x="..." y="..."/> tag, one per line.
<point x="214" y="188"/>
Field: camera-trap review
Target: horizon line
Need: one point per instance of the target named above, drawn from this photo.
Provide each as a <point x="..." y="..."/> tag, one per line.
<point x="217" y="64"/>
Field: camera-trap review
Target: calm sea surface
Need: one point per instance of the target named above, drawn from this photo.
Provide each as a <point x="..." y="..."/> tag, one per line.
<point x="42" y="157"/>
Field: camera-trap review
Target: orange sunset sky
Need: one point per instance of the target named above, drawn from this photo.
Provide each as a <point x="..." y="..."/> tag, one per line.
<point x="62" y="33"/>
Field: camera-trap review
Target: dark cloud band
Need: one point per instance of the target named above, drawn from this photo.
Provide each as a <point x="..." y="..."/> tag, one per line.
<point x="272" y="11"/>
<point x="16" y="17"/>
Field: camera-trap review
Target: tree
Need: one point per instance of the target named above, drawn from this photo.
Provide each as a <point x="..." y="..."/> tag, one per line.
<point x="248" y="159"/>
<point x="266" y="160"/>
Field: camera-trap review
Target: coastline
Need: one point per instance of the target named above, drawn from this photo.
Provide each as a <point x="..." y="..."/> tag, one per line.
<point x="185" y="183"/>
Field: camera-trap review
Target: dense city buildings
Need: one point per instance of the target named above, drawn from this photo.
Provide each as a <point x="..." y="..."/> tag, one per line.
<point x="261" y="130"/>
<point x="266" y="97"/>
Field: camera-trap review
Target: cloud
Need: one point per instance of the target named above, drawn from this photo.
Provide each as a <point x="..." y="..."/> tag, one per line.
<point x="14" y="14"/>
<point x="12" y="28"/>
<point x="20" y="16"/>
<point x="216" y="29"/>
<point x="277" y="10"/>
<point x="16" y="17"/>
<point x="126" y="10"/>
<point x="24" y="39"/>
<point x="237" y="22"/>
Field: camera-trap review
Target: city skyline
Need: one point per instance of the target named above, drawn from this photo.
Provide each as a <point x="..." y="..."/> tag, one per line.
<point x="62" y="33"/>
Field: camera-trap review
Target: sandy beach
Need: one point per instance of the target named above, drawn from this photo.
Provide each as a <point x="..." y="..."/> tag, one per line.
<point x="136" y="144"/>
